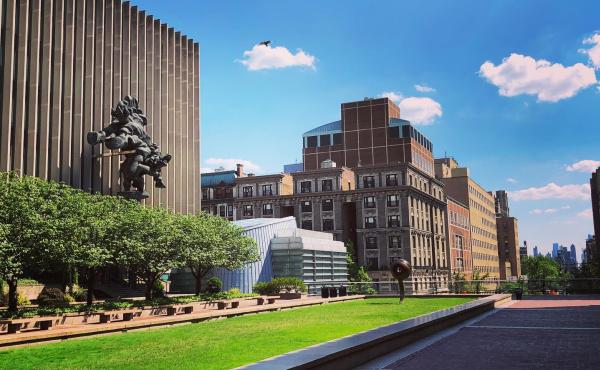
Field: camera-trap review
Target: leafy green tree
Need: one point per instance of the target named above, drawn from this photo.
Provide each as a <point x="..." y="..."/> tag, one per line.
<point x="540" y="268"/>
<point x="210" y="242"/>
<point x="24" y="234"/>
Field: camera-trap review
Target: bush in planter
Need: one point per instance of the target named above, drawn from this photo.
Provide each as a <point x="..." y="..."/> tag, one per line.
<point x="266" y="288"/>
<point x="214" y="285"/>
<point x="289" y="284"/>
<point x="52" y="297"/>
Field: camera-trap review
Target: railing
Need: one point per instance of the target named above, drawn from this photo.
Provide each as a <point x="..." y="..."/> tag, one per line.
<point x="527" y="286"/>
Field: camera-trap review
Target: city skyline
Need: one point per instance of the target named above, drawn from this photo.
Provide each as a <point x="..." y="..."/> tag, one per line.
<point x="529" y="136"/>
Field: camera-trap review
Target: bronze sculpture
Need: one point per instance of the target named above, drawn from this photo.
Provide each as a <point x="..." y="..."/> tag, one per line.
<point x="401" y="270"/>
<point x="127" y="133"/>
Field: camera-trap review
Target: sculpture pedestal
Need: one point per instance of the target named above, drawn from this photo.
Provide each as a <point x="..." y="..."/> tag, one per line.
<point x="135" y="195"/>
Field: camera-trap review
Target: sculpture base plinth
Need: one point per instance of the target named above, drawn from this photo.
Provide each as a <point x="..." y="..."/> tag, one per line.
<point x="135" y="195"/>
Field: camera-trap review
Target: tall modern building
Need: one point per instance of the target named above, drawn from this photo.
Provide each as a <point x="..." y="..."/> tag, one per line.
<point x="64" y="65"/>
<point x="536" y="251"/>
<point x="573" y="254"/>
<point x="595" y="188"/>
<point x="482" y="213"/>
<point x="370" y="132"/>
<point x="555" y="248"/>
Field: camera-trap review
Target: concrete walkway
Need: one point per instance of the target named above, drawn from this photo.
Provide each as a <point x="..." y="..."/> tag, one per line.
<point x="547" y="332"/>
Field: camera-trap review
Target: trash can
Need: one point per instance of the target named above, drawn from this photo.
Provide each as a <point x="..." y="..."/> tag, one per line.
<point x="324" y="292"/>
<point x="333" y="292"/>
<point x="519" y="293"/>
<point x="343" y="292"/>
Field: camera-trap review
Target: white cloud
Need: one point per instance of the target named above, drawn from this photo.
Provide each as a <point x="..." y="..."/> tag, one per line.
<point x="422" y="111"/>
<point x="424" y="88"/>
<point x="586" y="165"/>
<point x="565" y="207"/>
<point x="587" y="213"/>
<point x="511" y="180"/>
<point x="267" y="57"/>
<point x="553" y="191"/>
<point x="538" y="211"/>
<point x="593" y="52"/>
<point x="231" y="164"/>
<point x="206" y="169"/>
<point x="550" y="82"/>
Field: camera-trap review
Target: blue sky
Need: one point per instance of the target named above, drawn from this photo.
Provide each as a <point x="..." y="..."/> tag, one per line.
<point x="517" y="122"/>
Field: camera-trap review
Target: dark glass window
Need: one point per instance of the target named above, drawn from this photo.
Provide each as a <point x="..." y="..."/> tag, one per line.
<point x="267" y="189"/>
<point x="307" y="224"/>
<point x="392" y="201"/>
<point x="306" y="206"/>
<point x="368" y="181"/>
<point x="371" y="242"/>
<point x="393" y="221"/>
<point x="327" y="185"/>
<point x="229" y="211"/>
<point x="338" y="139"/>
<point x="327" y="224"/>
<point x="391" y="179"/>
<point x="370" y="223"/>
<point x="247" y="210"/>
<point x="372" y="263"/>
<point x="327" y="205"/>
<point x="267" y="209"/>
<point x="394" y="242"/>
<point x="311" y="142"/>
<point x="325" y="140"/>
<point x="394" y="132"/>
<point x="305" y="186"/>
<point x="406" y="131"/>
<point x="369" y="202"/>
<point x="247" y="191"/>
<point x="204" y="194"/>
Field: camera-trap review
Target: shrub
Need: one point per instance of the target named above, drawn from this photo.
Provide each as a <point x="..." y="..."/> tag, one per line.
<point x="158" y="289"/>
<point x="79" y="294"/>
<point x="265" y="288"/>
<point x="26" y="282"/>
<point x="52" y="297"/>
<point x="22" y="300"/>
<point x="214" y="285"/>
<point x="234" y="291"/>
<point x="289" y="284"/>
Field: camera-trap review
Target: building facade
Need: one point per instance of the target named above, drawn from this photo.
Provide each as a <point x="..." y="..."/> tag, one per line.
<point x="459" y="238"/>
<point x="595" y="189"/>
<point x="217" y="192"/>
<point x="509" y="253"/>
<point x="66" y="63"/>
<point x="482" y="214"/>
<point x="370" y="132"/>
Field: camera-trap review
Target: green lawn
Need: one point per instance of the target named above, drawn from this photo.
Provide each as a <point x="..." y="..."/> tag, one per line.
<point x="222" y="344"/>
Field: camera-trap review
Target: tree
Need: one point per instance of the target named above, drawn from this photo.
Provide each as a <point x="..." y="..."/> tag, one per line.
<point x="148" y="242"/>
<point x="211" y="242"/>
<point x="24" y="233"/>
<point x="540" y="268"/>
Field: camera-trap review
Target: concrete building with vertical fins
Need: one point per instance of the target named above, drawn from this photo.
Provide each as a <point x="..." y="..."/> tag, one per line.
<point x="64" y="64"/>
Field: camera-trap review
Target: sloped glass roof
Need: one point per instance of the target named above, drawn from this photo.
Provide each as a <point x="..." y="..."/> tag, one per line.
<point x="328" y="128"/>
<point x="212" y="179"/>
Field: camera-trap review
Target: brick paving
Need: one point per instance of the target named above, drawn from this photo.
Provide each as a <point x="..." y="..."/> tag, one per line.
<point x="536" y="333"/>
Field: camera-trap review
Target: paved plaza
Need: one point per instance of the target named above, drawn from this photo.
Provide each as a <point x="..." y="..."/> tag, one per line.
<point x="537" y="332"/>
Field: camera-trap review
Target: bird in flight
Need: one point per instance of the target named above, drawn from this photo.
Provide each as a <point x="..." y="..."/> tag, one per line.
<point x="266" y="43"/>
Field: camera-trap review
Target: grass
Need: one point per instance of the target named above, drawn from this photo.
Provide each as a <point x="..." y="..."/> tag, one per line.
<point x="223" y="344"/>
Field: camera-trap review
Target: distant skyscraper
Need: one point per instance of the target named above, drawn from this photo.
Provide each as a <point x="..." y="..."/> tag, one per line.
<point x="548" y="255"/>
<point x="595" y="188"/>
<point x="501" y="203"/>
<point x="573" y="254"/>
<point x="554" y="250"/>
<point x="536" y="252"/>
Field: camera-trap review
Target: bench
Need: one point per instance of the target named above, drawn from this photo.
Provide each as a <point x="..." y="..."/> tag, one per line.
<point x="126" y="315"/>
<point x="172" y="310"/>
<point x="15" y="325"/>
<point x="272" y="299"/>
<point x="222" y="305"/>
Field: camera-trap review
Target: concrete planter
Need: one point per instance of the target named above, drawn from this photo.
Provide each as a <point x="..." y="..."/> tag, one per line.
<point x="291" y="295"/>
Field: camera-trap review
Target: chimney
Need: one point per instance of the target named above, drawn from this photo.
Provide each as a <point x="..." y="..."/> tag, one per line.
<point x="240" y="170"/>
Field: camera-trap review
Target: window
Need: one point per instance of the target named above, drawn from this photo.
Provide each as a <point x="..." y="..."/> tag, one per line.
<point x="369" y="202"/>
<point x="306" y="206"/>
<point x="327" y="205"/>
<point x="394" y="221"/>
<point x="305" y="186"/>
<point x="222" y="210"/>
<point x="372" y="263"/>
<point x="394" y="132"/>
<point x="370" y="223"/>
<point x="338" y="139"/>
<point x="311" y="142"/>
<point x="205" y="194"/>
<point x="307" y="224"/>
<point x="327" y="185"/>
<point x="247" y="210"/>
<point x="267" y="209"/>
<point x="325" y="140"/>
<point x="393" y="201"/>
<point x="391" y="180"/>
<point x="458" y="242"/>
<point x="267" y="190"/>
<point x="394" y="242"/>
<point x="229" y="211"/>
<point x="371" y="242"/>
<point x="368" y="181"/>
<point x="327" y="224"/>
<point x="247" y="191"/>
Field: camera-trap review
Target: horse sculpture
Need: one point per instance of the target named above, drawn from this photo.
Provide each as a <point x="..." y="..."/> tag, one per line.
<point x="127" y="133"/>
<point x="401" y="270"/>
